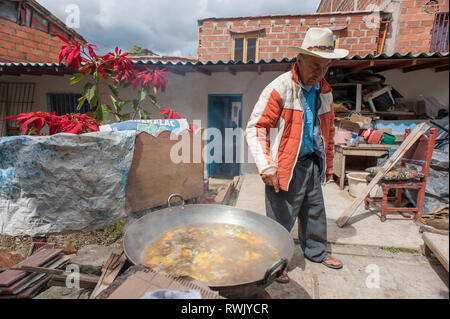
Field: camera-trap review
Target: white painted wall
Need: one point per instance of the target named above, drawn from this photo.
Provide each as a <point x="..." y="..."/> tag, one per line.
<point x="188" y="94"/>
<point x="427" y="82"/>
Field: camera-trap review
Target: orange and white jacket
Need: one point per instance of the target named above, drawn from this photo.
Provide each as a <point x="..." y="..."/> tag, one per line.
<point x="275" y="128"/>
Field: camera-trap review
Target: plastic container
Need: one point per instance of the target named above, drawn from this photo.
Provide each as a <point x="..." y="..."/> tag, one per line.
<point x="357" y="183"/>
<point x="387" y="139"/>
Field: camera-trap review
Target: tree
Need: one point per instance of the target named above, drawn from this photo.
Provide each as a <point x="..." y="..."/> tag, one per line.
<point x="137" y="50"/>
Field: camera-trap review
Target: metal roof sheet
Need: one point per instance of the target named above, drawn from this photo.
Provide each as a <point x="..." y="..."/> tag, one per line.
<point x="231" y="62"/>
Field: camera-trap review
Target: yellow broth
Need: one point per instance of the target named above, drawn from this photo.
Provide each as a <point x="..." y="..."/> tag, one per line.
<point x="214" y="253"/>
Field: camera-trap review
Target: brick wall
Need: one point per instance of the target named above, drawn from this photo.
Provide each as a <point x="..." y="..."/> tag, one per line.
<point x="415" y="27"/>
<point x="280" y="32"/>
<point x="345" y="5"/>
<point x="25" y="44"/>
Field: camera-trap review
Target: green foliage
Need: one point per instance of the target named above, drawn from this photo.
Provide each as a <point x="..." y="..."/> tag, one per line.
<point x="137" y="50"/>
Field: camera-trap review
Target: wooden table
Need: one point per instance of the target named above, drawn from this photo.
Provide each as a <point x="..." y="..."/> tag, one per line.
<point x="342" y="151"/>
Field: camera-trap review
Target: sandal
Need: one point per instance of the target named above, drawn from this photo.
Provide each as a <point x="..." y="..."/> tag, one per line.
<point x="327" y="258"/>
<point x="283" y="278"/>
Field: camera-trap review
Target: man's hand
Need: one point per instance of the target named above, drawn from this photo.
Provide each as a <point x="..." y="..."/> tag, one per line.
<point x="270" y="177"/>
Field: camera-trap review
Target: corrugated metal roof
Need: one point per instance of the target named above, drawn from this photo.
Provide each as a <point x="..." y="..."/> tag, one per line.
<point x="231" y="62"/>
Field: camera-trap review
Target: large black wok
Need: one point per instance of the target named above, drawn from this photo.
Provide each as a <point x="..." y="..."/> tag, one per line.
<point x="152" y="225"/>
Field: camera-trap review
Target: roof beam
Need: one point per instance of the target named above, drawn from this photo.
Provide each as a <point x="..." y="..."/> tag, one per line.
<point x="426" y="65"/>
<point x="363" y="66"/>
<point x="258" y="68"/>
<point x="442" y="68"/>
<point x="231" y="70"/>
<point x="203" y="70"/>
<point x="174" y="70"/>
<point x="396" y="65"/>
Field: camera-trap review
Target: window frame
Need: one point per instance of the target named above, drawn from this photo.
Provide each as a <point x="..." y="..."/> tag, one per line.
<point x="245" y="36"/>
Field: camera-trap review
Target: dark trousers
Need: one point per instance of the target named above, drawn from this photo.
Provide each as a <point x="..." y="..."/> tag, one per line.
<point x="305" y="201"/>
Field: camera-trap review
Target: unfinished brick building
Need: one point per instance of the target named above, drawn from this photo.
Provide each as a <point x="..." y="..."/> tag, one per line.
<point x="28" y="33"/>
<point x="362" y="27"/>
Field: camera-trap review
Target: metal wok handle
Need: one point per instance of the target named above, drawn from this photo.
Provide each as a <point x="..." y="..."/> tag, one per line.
<point x="272" y="272"/>
<point x="173" y="196"/>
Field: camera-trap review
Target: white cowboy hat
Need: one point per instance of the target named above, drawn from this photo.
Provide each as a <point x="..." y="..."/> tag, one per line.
<point x="319" y="42"/>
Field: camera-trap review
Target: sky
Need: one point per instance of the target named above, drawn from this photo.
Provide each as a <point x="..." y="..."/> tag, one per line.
<point x="166" y="27"/>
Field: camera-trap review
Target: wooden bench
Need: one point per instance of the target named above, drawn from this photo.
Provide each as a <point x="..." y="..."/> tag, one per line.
<point x="438" y="245"/>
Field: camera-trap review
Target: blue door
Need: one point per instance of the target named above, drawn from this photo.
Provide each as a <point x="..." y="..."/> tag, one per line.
<point x="224" y="111"/>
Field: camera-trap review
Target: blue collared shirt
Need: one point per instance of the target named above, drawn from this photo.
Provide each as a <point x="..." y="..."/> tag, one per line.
<point x="309" y="102"/>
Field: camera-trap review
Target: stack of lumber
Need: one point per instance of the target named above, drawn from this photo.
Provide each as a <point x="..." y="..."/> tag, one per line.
<point x="436" y="221"/>
<point x="18" y="283"/>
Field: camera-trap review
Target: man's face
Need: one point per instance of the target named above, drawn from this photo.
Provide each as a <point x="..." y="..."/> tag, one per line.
<point x="312" y="69"/>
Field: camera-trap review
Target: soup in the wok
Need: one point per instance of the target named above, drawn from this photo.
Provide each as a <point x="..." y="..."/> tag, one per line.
<point x="214" y="253"/>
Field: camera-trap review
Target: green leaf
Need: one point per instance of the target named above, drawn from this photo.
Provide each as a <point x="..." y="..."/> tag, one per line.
<point x="122" y="117"/>
<point x="136" y="104"/>
<point x="114" y="90"/>
<point x="102" y="113"/>
<point x="154" y="101"/>
<point x="77" y="78"/>
<point x="142" y="95"/>
<point x="127" y="85"/>
<point x="81" y="101"/>
<point x="89" y="91"/>
<point x="144" y="115"/>
<point x="118" y="103"/>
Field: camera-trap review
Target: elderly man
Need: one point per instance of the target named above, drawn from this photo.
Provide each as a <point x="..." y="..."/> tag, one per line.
<point x="290" y="134"/>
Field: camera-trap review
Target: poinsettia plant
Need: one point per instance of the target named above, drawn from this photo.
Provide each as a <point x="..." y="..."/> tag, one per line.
<point x="117" y="70"/>
<point x="32" y="123"/>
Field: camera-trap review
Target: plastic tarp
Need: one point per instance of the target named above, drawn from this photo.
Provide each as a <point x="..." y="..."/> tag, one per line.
<point x="64" y="182"/>
<point x="152" y="127"/>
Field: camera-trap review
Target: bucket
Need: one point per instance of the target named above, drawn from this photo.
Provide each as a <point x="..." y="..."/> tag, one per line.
<point x="357" y="182"/>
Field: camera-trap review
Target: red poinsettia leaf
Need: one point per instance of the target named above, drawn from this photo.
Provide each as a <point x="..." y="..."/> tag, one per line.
<point x="62" y="38"/>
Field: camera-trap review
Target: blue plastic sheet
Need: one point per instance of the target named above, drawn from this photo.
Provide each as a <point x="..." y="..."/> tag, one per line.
<point x="64" y="182"/>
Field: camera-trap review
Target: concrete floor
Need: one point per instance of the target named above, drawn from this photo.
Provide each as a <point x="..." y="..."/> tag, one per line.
<point x="358" y="245"/>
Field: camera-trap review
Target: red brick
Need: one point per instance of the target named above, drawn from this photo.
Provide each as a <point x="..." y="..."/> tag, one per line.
<point x="17" y="55"/>
<point x="411" y="37"/>
<point x="30" y="44"/>
<point x="406" y="4"/>
<point x="414" y="10"/>
<point x="3" y="52"/>
<point x="21" y="34"/>
<point x="357" y="33"/>
<point x="282" y="36"/>
<point x="7" y="45"/>
<point x="22" y="48"/>
<point x="350" y="40"/>
<point x="276" y="29"/>
<point x="365" y="40"/>
<point x="403" y="44"/>
<point x="415" y="23"/>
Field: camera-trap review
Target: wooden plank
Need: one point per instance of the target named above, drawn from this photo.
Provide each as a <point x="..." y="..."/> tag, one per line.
<point x="110" y="271"/>
<point x="438" y="244"/>
<point x="315" y="284"/>
<point x="154" y="177"/>
<point x="31" y="278"/>
<point x="364" y="152"/>
<point x="418" y="131"/>
<point x="7" y="278"/>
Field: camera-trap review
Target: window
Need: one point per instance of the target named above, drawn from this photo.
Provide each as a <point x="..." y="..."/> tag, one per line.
<point x="439" y="33"/>
<point x="66" y="103"/>
<point x="245" y="47"/>
<point x="15" y="98"/>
